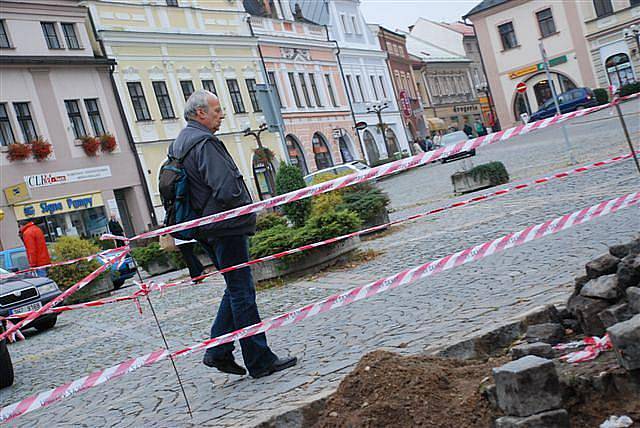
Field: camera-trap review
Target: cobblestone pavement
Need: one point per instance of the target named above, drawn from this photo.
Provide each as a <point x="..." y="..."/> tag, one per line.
<point x="431" y="313"/>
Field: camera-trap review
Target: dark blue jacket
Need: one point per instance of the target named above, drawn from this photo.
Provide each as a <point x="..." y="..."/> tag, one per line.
<point x="215" y="183"/>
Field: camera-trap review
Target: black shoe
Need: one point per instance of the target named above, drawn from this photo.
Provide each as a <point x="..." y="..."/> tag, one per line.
<point x="225" y="366"/>
<point x="278" y="365"/>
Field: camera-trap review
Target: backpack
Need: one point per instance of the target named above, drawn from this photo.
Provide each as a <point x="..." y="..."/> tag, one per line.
<point x="174" y="194"/>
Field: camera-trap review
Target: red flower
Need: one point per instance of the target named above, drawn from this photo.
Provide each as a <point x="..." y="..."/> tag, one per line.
<point x="90" y="144"/>
<point x="18" y="151"/>
<point x="41" y="149"/>
<point x="108" y="143"/>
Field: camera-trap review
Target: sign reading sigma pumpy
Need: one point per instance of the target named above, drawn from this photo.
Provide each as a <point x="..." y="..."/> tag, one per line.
<point x="62" y="177"/>
<point x="58" y="206"/>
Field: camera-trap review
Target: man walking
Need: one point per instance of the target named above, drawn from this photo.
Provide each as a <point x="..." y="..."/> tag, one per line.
<point x="35" y="245"/>
<point x="115" y="228"/>
<point x="216" y="185"/>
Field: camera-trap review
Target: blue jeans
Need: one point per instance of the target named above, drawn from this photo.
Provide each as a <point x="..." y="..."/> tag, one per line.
<point x="238" y="307"/>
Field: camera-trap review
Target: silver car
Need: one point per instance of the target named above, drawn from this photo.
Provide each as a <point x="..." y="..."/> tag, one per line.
<point x="453" y="139"/>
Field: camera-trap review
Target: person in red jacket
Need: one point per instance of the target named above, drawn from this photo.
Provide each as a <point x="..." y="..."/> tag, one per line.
<point x="34" y="243"/>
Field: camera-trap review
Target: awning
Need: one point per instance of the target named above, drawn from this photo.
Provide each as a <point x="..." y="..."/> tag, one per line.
<point x="436" y="124"/>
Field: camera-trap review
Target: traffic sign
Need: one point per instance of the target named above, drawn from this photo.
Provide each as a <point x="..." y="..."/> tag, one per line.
<point x="521" y="87"/>
<point x="361" y="125"/>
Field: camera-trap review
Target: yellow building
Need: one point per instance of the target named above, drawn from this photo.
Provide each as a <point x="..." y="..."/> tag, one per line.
<point x="163" y="54"/>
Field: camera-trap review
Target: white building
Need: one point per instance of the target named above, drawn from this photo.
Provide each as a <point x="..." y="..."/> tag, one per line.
<point x="366" y="74"/>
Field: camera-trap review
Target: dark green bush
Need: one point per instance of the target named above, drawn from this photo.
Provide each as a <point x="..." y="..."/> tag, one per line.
<point x="327" y="225"/>
<point x="630" y="88"/>
<point x="144" y="255"/>
<point x="289" y="178"/>
<point x="270" y="241"/>
<point x="602" y="95"/>
<point x="70" y="247"/>
<point x="494" y="171"/>
<point x="366" y="200"/>
<point x="269" y="220"/>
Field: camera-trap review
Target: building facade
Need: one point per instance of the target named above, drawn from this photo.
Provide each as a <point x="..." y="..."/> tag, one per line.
<point x="366" y="76"/>
<point x="404" y="84"/>
<point x="55" y="89"/>
<point x="510" y="34"/>
<point x="167" y="49"/>
<point x="612" y="30"/>
<point x="302" y="67"/>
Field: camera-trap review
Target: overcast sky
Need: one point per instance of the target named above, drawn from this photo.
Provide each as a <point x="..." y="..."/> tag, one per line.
<point x="399" y="14"/>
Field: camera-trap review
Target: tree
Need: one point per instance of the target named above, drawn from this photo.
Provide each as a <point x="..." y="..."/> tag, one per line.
<point x="290" y="178"/>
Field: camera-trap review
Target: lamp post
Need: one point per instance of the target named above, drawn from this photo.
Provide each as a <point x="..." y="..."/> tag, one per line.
<point x="267" y="164"/>
<point x="633" y="32"/>
<point x="377" y="108"/>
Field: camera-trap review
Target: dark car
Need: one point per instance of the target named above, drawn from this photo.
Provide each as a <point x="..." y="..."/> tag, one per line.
<point x="120" y="272"/>
<point x="452" y="139"/>
<point x="572" y="100"/>
<point x="24" y="293"/>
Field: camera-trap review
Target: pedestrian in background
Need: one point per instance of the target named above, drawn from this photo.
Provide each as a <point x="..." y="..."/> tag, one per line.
<point x="468" y="130"/>
<point x="35" y="245"/>
<point x="216" y="185"/>
<point x="480" y="128"/>
<point x="115" y="228"/>
<point x="417" y="149"/>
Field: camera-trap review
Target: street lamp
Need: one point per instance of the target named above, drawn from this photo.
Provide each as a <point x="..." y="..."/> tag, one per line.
<point x="267" y="164"/>
<point x="633" y="32"/>
<point x="377" y="108"/>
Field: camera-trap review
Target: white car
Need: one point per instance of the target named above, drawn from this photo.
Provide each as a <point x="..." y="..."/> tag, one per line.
<point x="338" y="170"/>
<point x="453" y="139"/>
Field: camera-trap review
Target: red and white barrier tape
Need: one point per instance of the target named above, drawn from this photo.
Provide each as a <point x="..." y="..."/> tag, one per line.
<point x="162" y="286"/>
<point x="405" y="277"/>
<point x="594" y="346"/>
<point x="369" y="174"/>
<point x="68" y="292"/>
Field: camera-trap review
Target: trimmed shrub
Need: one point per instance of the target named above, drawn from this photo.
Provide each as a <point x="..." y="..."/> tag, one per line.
<point x="327" y="225"/>
<point x="70" y="247"/>
<point x="269" y="241"/>
<point x="602" y="95"/>
<point x="495" y="172"/>
<point x="290" y="178"/>
<point x="629" y="88"/>
<point x="269" y="220"/>
<point x="366" y="200"/>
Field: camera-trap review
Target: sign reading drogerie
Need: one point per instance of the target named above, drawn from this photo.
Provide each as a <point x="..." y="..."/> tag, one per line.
<point x="63" y="177"/>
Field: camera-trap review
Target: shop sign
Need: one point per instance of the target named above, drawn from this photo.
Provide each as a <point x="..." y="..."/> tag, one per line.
<point x="58" y="206"/>
<point x="17" y="193"/>
<point x="537" y="67"/>
<point x="465" y="108"/>
<point x="405" y="103"/>
<point x="62" y="177"/>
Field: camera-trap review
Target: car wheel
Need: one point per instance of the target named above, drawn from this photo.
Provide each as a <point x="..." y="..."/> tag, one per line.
<point x="46" y="323"/>
<point x="117" y="283"/>
<point x="6" y="367"/>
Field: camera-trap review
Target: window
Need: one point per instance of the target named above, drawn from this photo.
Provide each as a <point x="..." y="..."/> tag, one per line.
<point x="73" y="111"/>
<point x="321" y="151"/>
<point x="274" y="86"/>
<point x="187" y="88"/>
<point x="164" y="100"/>
<point x="332" y="95"/>
<point x="172" y="3"/>
<point x="251" y="88"/>
<point x="139" y="102"/>
<point x="508" y="36"/>
<point x="305" y="91"/>
<point x="6" y="133"/>
<point x="26" y="121"/>
<point x="94" y="116"/>
<point x="50" y="35"/>
<point x="356" y="28"/>
<point x="619" y="69"/>
<point x="294" y="88"/>
<point x="384" y="91"/>
<point x="69" y="31"/>
<point x="360" y="88"/>
<point x="545" y="22"/>
<point x="350" y="85"/>
<point x="4" y="37"/>
<point x="236" y="96"/>
<point x="314" y="89"/>
<point x="345" y="24"/>
<point x="603" y="7"/>
<point x="208" y="85"/>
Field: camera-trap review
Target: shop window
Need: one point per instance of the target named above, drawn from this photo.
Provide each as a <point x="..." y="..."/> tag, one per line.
<point x="164" y="100"/>
<point x="332" y="95"/>
<point x="508" y="36"/>
<point x="208" y="85"/>
<point x="296" y="154"/>
<point x="93" y="111"/>
<point x="314" y="89"/>
<point x="50" y="35"/>
<point x="251" y="88"/>
<point x="70" y="37"/>
<point x="305" y="90"/>
<point x="138" y="100"/>
<point x="619" y="70"/>
<point x="321" y="151"/>
<point x="236" y="96"/>
<point x="187" y="88"/>
<point x="23" y="114"/>
<point x="4" y="37"/>
<point x="521" y="105"/>
<point x="6" y="132"/>
<point x="545" y="22"/>
<point x="603" y="7"/>
<point x="542" y="90"/>
<point x="294" y="89"/>
<point x="371" y="147"/>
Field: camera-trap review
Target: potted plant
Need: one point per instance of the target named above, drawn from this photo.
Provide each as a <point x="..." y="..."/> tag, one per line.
<point x="41" y="149"/>
<point x="108" y="143"/>
<point x="18" y="151"/>
<point x="264" y="155"/>
<point x="90" y="145"/>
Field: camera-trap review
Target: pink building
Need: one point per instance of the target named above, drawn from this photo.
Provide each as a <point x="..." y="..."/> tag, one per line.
<point x="301" y="63"/>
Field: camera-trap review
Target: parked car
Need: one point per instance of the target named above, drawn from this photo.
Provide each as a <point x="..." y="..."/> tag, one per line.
<point x="120" y="272"/>
<point x="6" y="367"/>
<point x="14" y="259"/>
<point x="453" y="139"/>
<point x="572" y="100"/>
<point x="24" y="293"/>
<point x="349" y="167"/>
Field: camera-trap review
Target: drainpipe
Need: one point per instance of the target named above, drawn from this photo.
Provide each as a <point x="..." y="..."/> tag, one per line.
<point x="127" y="130"/>
<point x="344" y="83"/>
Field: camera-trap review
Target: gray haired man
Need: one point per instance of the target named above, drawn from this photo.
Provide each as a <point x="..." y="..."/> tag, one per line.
<point x="216" y="185"/>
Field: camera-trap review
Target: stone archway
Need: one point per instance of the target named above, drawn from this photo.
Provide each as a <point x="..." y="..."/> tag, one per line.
<point x="347" y="149"/>
<point x="321" y="151"/>
<point x="371" y="147"/>
<point x="296" y="154"/>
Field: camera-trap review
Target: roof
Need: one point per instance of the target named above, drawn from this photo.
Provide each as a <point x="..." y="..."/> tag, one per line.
<point x="460" y="27"/>
<point x="484" y="5"/>
<point x="428" y="52"/>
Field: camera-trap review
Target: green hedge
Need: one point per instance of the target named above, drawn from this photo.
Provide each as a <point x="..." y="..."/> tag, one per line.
<point x="70" y="247"/>
<point x="366" y="200"/>
<point x="145" y="255"/>
<point x="494" y="171"/>
<point x="630" y="88"/>
<point x="602" y="95"/>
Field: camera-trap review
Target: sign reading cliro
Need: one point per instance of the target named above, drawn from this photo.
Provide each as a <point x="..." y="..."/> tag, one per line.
<point x="62" y="177"/>
<point x="58" y="206"/>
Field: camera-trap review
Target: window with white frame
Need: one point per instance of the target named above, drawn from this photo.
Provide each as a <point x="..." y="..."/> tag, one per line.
<point x="314" y="89"/>
<point x="345" y="24"/>
<point x="163" y="99"/>
<point x="209" y="85"/>
<point x="6" y="131"/>
<point x="305" y="90"/>
<point x="51" y="35"/>
<point x="70" y="37"/>
<point x="373" y="85"/>
<point x="332" y="95"/>
<point x="4" y="36"/>
<point x="138" y="101"/>
<point x="236" y="96"/>
<point x="251" y="88"/>
<point x="93" y="111"/>
<point x="187" y="88"/>
<point x="294" y="89"/>
<point x="274" y="86"/>
<point x="23" y="114"/>
<point x="384" y="90"/>
<point x="356" y="27"/>
<point x="75" y="117"/>
<point x="360" y="88"/>
<point x="350" y="87"/>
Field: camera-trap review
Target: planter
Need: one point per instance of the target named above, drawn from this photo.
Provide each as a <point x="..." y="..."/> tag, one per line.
<point x="381" y="218"/>
<point x="465" y="182"/>
<point x="95" y="288"/>
<point x="160" y="266"/>
<point x="309" y="261"/>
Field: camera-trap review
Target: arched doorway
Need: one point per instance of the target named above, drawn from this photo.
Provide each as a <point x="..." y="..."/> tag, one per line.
<point x="263" y="177"/>
<point x="539" y="91"/>
<point x="521" y="105"/>
<point x="619" y="69"/>
<point x="391" y="142"/>
<point x="542" y="91"/>
<point x="370" y="146"/>
<point x="296" y="154"/>
<point x="321" y="151"/>
<point x="347" y="151"/>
